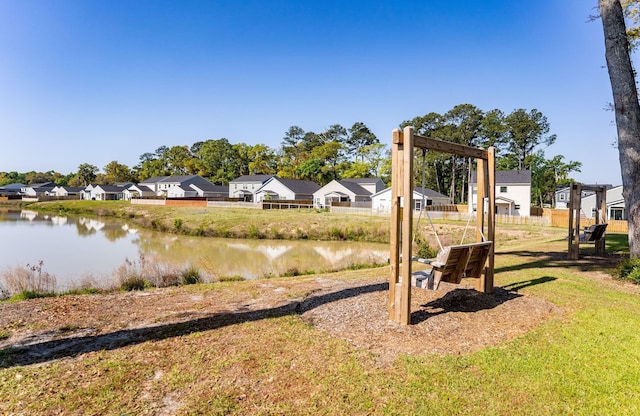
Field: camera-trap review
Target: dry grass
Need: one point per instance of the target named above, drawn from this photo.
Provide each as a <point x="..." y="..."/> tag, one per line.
<point x="31" y="279"/>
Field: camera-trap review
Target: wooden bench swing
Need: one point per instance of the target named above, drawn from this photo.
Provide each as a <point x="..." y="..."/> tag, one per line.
<point x="594" y="233"/>
<point x="453" y="262"/>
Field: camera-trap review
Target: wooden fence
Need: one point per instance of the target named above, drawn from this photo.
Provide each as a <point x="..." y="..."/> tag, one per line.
<point x="560" y="218"/>
<point x="287" y="204"/>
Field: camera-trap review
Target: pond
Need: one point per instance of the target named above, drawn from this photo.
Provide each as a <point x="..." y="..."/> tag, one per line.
<point x="81" y="251"/>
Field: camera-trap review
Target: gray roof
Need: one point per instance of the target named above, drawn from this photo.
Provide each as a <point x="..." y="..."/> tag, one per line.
<point x="73" y="188"/>
<point x="362" y="180"/>
<point x="12" y="186"/>
<point x="507" y="176"/>
<point x="429" y="193"/>
<point x="179" y="178"/>
<point x="42" y="185"/>
<point x="253" y="178"/>
<point x="353" y="186"/>
<point x="154" y="179"/>
<point x="299" y="186"/>
<point x="111" y="188"/>
<point x="212" y="188"/>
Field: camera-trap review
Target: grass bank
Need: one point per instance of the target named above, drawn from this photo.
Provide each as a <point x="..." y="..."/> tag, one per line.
<point x="232" y="223"/>
<point x="584" y="361"/>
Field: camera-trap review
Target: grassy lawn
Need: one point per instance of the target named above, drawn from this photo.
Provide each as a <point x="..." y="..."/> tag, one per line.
<point x="584" y="362"/>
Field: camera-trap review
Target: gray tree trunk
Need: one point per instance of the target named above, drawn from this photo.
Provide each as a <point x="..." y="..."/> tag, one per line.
<point x="627" y="110"/>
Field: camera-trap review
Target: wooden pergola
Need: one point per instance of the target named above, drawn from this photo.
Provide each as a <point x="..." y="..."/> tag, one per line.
<point x="402" y="156"/>
<point x="575" y="202"/>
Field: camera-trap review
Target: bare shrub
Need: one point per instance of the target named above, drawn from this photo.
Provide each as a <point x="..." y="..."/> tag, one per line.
<point x="135" y="275"/>
<point x="30" y="278"/>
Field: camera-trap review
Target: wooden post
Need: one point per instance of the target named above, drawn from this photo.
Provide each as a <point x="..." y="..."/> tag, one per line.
<point x="601" y="218"/>
<point x="397" y="173"/>
<point x="486" y="281"/>
<point x="575" y="197"/>
<point x="407" y="227"/>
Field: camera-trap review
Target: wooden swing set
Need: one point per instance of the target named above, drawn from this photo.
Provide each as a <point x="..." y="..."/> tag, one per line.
<point x="453" y="262"/>
<point x="595" y="232"/>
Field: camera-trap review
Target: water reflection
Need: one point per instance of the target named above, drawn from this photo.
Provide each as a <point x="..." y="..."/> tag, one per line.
<point x="75" y="248"/>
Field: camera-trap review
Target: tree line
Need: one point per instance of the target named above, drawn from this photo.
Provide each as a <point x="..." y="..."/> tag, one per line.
<point x="354" y="152"/>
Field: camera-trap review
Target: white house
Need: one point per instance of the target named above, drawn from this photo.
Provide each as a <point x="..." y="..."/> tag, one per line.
<point x="180" y="191"/>
<point x="161" y="184"/>
<point x="37" y="189"/>
<point x="347" y="190"/>
<point x="563" y="194"/>
<point x="105" y="192"/>
<point x="210" y="191"/>
<point x="244" y="187"/>
<point x="136" y="191"/>
<point x="615" y="204"/>
<point x="513" y="192"/>
<point x="381" y="201"/>
<point x="66" y="191"/>
<point x="286" y="189"/>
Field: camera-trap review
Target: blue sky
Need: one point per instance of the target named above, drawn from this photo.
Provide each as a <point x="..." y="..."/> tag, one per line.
<point x="92" y="81"/>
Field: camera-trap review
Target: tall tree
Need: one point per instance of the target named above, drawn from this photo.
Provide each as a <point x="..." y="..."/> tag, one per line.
<point x="627" y="112"/>
<point x="524" y="132"/>
<point x="178" y="160"/>
<point x="117" y="172"/>
<point x="262" y="160"/>
<point x="86" y="174"/>
<point x="217" y="160"/>
<point x="358" y="137"/>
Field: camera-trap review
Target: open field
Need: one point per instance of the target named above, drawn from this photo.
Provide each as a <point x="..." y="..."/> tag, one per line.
<point x="556" y="337"/>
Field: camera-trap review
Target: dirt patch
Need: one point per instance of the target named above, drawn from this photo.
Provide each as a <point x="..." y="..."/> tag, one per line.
<point x="455" y="319"/>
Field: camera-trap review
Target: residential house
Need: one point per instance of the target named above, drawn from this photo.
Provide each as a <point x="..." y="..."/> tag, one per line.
<point x="381" y="201"/>
<point x="86" y="192"/>
<point x="181" y="191"/>
<point x="11" y="189"/>
<point x="286" y="189"/>
<point x="562" y="195"/>
<point x="66" y="191"/>
<point x="37" y="189"/>
<point x="347" y="190"/>
<point x="105" y="193"/>
<point x="211" y="190"/>
<point x="372" y="185"/>
<point x="244" y="187"/>
<point x="137" y="191"/>
<point x="615" y="204"/>
<point x="161" y="184"/>
<point x="513" y="192"/>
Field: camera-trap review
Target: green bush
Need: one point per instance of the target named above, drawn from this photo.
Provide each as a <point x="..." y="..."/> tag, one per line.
<point x="30" y="294"/>
<point x="423" y="249"/>
<point x="629" y="270"/>
<point x="254" y="232"/>
<point x="230" y="279"/>
<point x="191" y="276"/>
<point x="133" y="283"/>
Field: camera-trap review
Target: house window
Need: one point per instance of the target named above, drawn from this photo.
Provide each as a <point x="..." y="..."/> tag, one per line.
<point x="617" y="214"/>
<point x="517" y="206"/>
<point x="503" y="189"/>
<point x="593" y="212"/>
<point x="562" y="197"/>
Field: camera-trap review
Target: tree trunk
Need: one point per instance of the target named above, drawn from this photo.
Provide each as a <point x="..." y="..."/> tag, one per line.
<point x="627" y="110"/>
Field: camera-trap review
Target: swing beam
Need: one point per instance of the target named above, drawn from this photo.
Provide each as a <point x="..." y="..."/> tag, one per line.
<point x="402" y="154"/>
